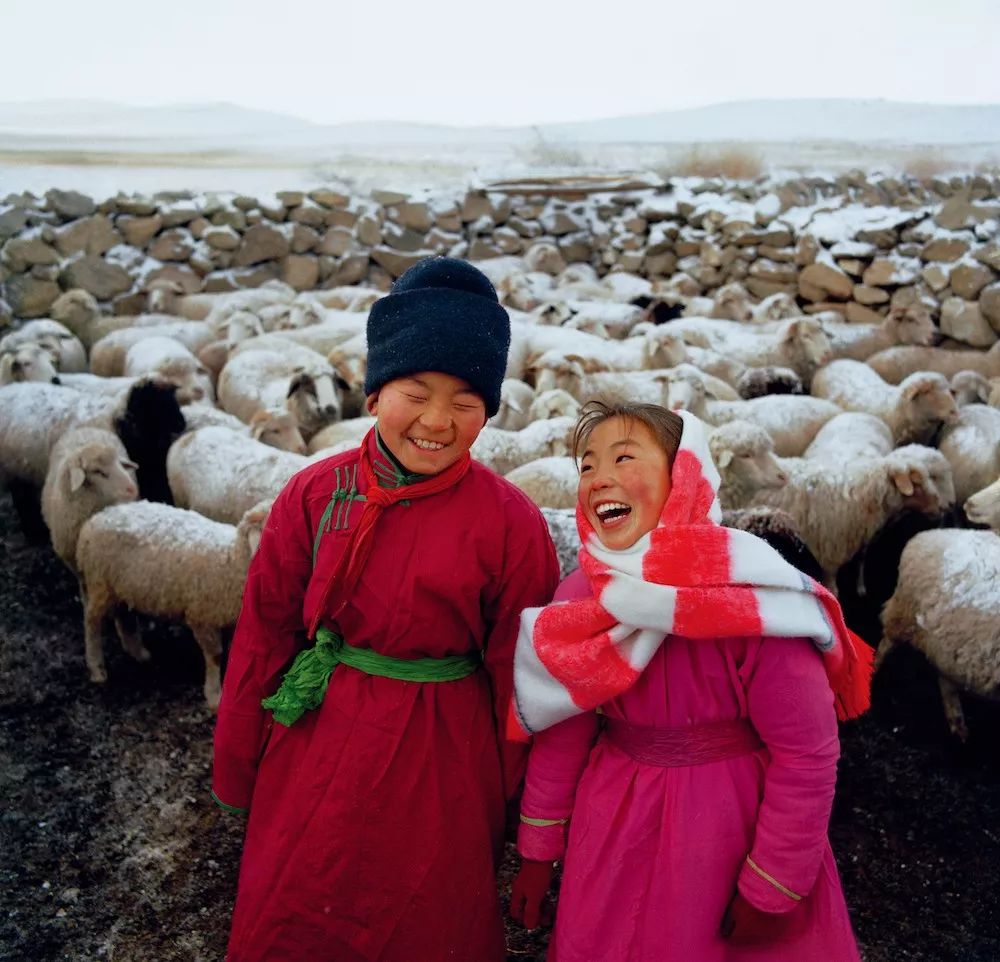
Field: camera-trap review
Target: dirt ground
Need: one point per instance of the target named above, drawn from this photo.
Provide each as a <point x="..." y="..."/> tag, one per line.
<point x="112" y="849"/>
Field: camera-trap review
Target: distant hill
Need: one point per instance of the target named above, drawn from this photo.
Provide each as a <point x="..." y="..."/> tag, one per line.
<point x="222" y="125"/>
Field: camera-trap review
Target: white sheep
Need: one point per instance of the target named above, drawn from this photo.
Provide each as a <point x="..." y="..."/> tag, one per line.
<point x="505" y="450"/>
<point x="221" y="473"/>
<point x="852" y="435"/>
<point x="79" y="312"/>
<point x="516" y="398"/>
<point x="94" y="384"/>
<point x="553" y="404"/>
<point x="914" y="411"/>
<point x="107" y="356"/>
<point x="946" y="605"/>
<point x="336" y="328"/>
<point x="896" y="363"/>
<point x="791" y="420"/>
<point x="27" y="362"/>
<point x="970" y="387"/>
<point x="972" y="447"/>
<point x="346" y="298"/>
<point x="550" y="482"/>
<point x="89" y="470"/>
<point x="172" y="362"/>
<point x="565" y="537"/>
<point x="168" y="563"/>
<point x="839" y="507"/>
<point x="350" y="429"/>
<point x="776" y="307"/>
<point x="907" y="324"/>
<point x="744" y="454"/>
<point x="68" y="353"/>
<point x="732" y="302"/>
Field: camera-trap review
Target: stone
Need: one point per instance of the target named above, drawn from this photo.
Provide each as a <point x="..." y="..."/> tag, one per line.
<point x="451" y="220"/>
<point x="327" y="197"/>
<point x="273" y="210"/>
<point x="69" y="204"/>
<point x="219" y="282"/>
<point x="870" y="295"/>
<point x="336" y="241"/>
<point x="761" y="287"/>
<point x="806" y="250"/>
<point x="29" y="296"/>
<point x="483" y="248"/>
<point x="12" y="222"/>
<point x="822" y="282"/>
<point x="205" y="259"/>
<point x="261" y="243"/>
<point x="136" y="205"/>
<point x="961" y="211"/>
<point x="989" y="305"/>
<point x="935" y="277"/>
<point x="884" y="238"/>
<point x="660" y="265"/>
<point x="774" y="273"/>
<point x="222" y="238"/>
<point x="304" y="239"/>
<point x="963" y="321"/>
<point x="784" y="255"/>
<point x="508" y="240"/>
<point x="235" y="218"/>
<point x="824" y="307"/>
<point x="188" y="280"/>
<point x="378" y="278"/>
<point x="21" y="253"/>
<point x="290" y="198"/>
<point x="300" y="271"/>
<point x="852" y="266"/>
<point x="312" y="215"/>
<point x="396" y="263"/>
<point x="130" y="304"/>
<point x="352" y="269"/>
<point x="198" y="227"/>
<point x="368" y="231"/>
<point x="177" y="215"/>
<point x="989" y="254"/>
<point x="474" y="205"/>
<point x="341" y="218"/>
<point x="245" y="203"/>
<point x="175" y="244"/>
<point x="402" y="238"/>
<point x="389" y="198"/>
<point x="895" y="272"/>
<point x="576" y="248"/>
<point x="967" y="280"/>
<point x="861" y="314"/>
<point x="558" y="222"/>
<point x="94" y="274"/>
<point x="415" y="215"/>
<point x="140" y="230"/>
<point x="946" y="249"/>
<point x="92" y="235"/>
<point x="256" y="275"/>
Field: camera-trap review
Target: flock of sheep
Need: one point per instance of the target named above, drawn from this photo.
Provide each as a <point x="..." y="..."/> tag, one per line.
<point x="868" y="453"/>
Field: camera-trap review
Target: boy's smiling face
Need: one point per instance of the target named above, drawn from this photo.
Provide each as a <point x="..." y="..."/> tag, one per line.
<point x="428" y="420"/>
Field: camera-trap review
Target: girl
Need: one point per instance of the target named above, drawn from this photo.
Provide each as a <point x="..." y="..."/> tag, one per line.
<point x="699" y="816"/>
<point x="394" y="576"/>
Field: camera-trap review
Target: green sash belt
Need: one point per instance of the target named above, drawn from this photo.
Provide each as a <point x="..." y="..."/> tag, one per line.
<point x="305" y="683"/>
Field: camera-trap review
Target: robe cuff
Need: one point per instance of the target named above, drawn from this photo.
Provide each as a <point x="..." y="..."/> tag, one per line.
<point x="764" y="890"/>
<point x="541" y="840"/>
<point x="232" y="809"/>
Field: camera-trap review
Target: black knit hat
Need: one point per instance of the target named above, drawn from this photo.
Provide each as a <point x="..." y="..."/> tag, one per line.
<point x="441" y="315"/>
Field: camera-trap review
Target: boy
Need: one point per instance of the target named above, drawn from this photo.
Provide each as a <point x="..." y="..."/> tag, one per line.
<point x="376" y="779"/>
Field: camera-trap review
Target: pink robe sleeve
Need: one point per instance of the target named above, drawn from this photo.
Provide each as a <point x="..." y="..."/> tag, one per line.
<point x="791" y="706"/>
<point x="268" y="634"/>
<point x="529" y="576"/>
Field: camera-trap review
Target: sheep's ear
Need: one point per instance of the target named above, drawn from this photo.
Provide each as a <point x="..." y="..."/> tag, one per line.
<point x="76" y="477"/>
<point x="515" y="406"/>
<point x="792" y="330"/>
<point x="299" y="381"/>
<point x="725" y="459"/>
<point x="6" y="367"/>
<point x="916" y="478"/>
<point x="902" y="481"/>
<point x="912" y="391"/>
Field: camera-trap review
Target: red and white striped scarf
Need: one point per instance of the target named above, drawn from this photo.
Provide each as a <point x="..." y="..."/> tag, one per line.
<point x="690" y="577"/>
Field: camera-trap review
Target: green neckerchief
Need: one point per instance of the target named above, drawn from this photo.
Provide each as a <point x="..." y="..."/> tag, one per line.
<point x="388" y="469"/>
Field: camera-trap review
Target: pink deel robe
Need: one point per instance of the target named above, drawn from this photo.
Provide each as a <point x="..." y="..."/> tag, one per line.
<point x="654" y="854"/>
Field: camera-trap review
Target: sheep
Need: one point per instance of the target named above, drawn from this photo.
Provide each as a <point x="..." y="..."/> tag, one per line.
<point x="220" y="473"/>
<point x="732" y="302"/>
<point x="792" y="421"/>
<point x="744" y="454"/>
<point x="614" y="319"/>
<point x="68" y="353"/>
<point x="294" y="376"/>
<point x="852" y="435"/>
<point x="565" y="537"/>
<point x="290" y="317"/>
<point x="776" y="307"/>
<point x="348" y="298"/>
<point x="350" y="429"/>
<point x="896" y="363"/>
<point x="350" y="363"/>
<point x="946" y="605"/>
<point x="277" y="428"/>
<point x="238" y="327"/>
<point x="89" y="470"/>
<point x="659" y="310"/>
<point x="970" y="387"/>
<point x="27" y="362"/>
<point x="838" y="507"/>
<point x="93" y="384"/>
<point x="226" y="303"/>
<point x="524" y="291"/>
<point x="331" y="332"/>
<point x="168" y="563"/>
<point x="515" y="403"/>
<point x="505" y="450"/>
<point x="553" y="404"/>
<point x="107" y="356"/>
<point x="79" y="312"/>
<point x="778" y="529"/>
<point x="915" y="411"/>
<point x="910" y="324"/>
<point x="172" y="362"/>
<point x="550" y="482"/>
<point x="972" y="447"/>
<point x="761" y="381"/>
<point x="164" y="296"/>
<point x="984" y="506"/>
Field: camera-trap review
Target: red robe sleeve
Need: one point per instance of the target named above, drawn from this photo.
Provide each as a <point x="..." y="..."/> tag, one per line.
<point x="528" y="579"/>
<point x="791" y="706"/>
<point x="269" y="633"/>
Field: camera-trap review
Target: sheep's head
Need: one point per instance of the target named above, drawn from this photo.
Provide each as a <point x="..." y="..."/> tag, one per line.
<point x="923" y="478"/>
<point x="553" y="404"/>
<point x="544" y="256"/>
<point x="744" y="455"/>
<point x="912" y="324"/>
<point x="76" y="308"/>
<point x="297" y="315"/>
<point x="984" y="506"/>
<point x="732" y="302"/>
<point x="970" y="387"/>
<point x="761" y="381"/>
<point x="553" y="370"/>
<point x="28" y="362"/>
<point x="279" y="429"/>
<point x="685" y="390"/>
<point x="164" y="295"/>
<point x="928" y="403"/>
<point x="776" y="307"/>
<point x="192" y="378"/>
<point x="663" y="349"/>
<point x="251" y="527"/>
<point x="98" y="472"/>
<point x="240" y="326"/>
<point x="350" y="369"/>
<point x="994" y="399"/>
<point x="560" y="436"/>
<point x="806" y="337"/>
<point x="551" y="314"/>
<point x="313" y="400"/>
<point x="592" y="325"/>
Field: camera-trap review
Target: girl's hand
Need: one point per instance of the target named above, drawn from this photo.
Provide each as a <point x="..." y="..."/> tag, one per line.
<point x="529" y="905"/>
<point x="743" y="924"/>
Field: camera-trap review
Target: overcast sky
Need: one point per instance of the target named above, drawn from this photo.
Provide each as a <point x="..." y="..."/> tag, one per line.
<point x="506" y="62"/>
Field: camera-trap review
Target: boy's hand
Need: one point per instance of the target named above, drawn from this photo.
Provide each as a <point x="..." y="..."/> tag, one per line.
<point x="743" y="924"/>
<point x="528" y="903"/>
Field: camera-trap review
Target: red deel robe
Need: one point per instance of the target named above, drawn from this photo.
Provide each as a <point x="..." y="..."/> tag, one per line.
<point x="376" y="821"/>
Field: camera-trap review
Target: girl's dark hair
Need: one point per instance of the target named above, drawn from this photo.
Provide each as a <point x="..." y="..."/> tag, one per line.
<point x="666" y="426"/>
